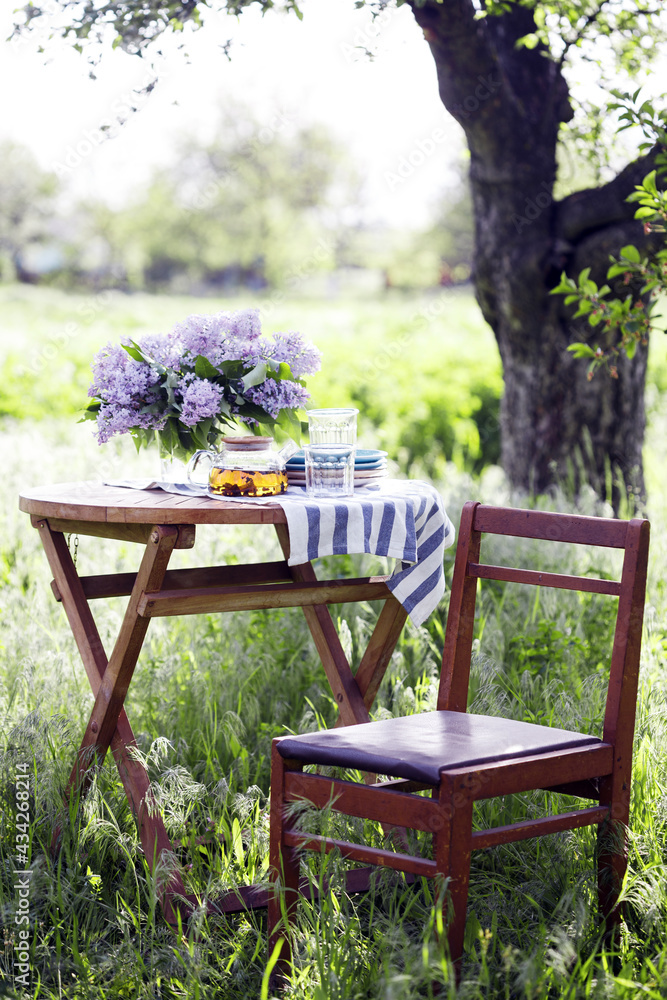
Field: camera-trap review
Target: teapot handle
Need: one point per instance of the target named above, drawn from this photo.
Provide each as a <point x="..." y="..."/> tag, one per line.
<point x="194" y="462"/>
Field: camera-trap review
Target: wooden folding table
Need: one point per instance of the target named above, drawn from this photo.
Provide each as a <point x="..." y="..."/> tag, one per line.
<point x="162" y="522"/>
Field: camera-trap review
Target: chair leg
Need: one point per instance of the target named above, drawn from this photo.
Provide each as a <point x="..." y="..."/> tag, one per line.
<point x="452" y="850"/>
<point x="612" y="856"/>
<point x="284" y="874"/>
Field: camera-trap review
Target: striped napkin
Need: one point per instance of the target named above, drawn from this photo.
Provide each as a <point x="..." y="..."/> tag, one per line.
<point x="402" y="519"/>
<point x="405" y="520"/>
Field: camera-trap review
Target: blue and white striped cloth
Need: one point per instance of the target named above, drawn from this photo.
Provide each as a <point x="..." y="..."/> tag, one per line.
<point x="402" y="519"/>
<point x="405" y="520"/>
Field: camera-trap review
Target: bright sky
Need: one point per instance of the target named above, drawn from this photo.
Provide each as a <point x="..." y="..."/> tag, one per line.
<point x="387" y="111"/>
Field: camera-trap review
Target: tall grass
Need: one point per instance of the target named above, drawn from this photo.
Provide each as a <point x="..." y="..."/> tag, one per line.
<point x="209" y="694"/>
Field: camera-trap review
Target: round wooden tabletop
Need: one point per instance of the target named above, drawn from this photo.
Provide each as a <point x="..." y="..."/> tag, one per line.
<point x="95" y="502"/>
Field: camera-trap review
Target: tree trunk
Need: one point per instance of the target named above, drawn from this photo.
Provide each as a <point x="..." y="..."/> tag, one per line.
<point x="556" y="425"/>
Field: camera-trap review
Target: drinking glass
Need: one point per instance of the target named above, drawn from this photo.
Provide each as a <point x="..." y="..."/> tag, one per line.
<point x="333" y="426"/>
<point x="329" y="469"/>
<point x="329" y="458"/>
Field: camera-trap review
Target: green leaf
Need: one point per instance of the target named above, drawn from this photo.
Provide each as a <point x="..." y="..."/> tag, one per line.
<point x="134" y="352"/>
<point x="255" y="412"/>
<point x="288" y="420"/>
<point x="204" y="368"/>
<point x="649" y="183"/>
<point x="232" y="369"/>
<point x="630" y="348"/>
<point x="169" y="435"/>
<point x="199" y="436"/>
<point x="256" y="376"/>
<point x="644" y="213"/>
<point x="581" y="351"/>
<point x="565" y="285"/>
<point x="530" y="41"/>
<point x="631" y="253"/>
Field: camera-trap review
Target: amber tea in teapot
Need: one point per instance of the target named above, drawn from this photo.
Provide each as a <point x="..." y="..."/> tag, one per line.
<point x="246" y="467"/>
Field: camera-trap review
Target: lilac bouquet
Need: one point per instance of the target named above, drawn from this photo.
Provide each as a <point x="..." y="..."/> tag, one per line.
<point x="209" y="373"/>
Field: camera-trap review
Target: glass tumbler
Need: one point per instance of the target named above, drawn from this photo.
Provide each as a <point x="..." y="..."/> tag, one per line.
<point x="333" y="426"/>
<point x="329" y="470"/>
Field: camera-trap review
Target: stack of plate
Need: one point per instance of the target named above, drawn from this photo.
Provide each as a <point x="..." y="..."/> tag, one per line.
<point x="369" y="467"/>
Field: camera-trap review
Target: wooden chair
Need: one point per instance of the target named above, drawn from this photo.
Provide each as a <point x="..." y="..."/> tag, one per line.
<point x="462" y="757"/>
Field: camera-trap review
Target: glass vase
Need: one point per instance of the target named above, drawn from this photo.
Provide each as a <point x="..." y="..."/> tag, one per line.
<point x="170" y="469"/>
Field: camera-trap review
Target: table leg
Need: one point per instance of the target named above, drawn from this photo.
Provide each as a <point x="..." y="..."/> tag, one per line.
<point x="380" y="648"/>
<point x="116" y="679"/>
<point x="350" y="689"/>
<point x="133" y="774"/>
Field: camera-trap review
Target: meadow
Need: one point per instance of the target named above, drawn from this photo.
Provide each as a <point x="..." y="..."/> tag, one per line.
<point x="211" y="692"/>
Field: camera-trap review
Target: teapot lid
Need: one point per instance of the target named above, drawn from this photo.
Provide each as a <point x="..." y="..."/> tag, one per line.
<point x="248" y="443"/>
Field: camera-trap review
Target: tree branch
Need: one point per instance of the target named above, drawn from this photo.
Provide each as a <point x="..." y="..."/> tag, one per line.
<point x="592" y="17"/>
<point x="595" y="208"/>
<point x="460" y="49"/>
<point x="482" y="75"/>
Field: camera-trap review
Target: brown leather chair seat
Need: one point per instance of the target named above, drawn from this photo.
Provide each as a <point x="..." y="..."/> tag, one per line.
<point x="419" y="747"/>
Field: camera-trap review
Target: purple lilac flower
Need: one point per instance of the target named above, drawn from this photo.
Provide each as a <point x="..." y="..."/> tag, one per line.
<point x="113" y="419"/>
<point x="166" y="350"/>
<point x="220" y="337"/>
<point x="274" y="396"/>
<point x="198" y="335"/>
<point x="126" y="387"/>
<point x="118" y="378"/>
<point x="303" y="358"/>
<point x="201" y="400"/>
<point x="246" y="324"/>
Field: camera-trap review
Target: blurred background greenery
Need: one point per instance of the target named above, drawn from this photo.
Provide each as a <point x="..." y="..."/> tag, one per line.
<point x="254" y="206"/>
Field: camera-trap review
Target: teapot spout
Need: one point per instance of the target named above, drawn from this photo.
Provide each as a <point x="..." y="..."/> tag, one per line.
<point x="288" y="449"/>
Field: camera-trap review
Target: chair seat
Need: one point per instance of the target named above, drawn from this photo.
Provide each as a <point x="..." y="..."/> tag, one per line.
<point x="419" y="747"/>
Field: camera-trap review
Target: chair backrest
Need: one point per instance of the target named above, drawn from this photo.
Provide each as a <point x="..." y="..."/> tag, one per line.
<point x="632" y="536"/>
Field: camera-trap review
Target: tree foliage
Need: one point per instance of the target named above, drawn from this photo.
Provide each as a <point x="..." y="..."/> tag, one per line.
<point x="250" y="206"/>
<point x="633" y="316"/>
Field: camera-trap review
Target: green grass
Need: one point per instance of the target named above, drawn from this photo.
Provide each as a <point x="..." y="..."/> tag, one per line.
<point x="211" y="691"/>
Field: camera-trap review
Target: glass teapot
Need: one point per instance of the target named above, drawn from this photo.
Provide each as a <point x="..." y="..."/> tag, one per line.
<point x="246" y="467"/>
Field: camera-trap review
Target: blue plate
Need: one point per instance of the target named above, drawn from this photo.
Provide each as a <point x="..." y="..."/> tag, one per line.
<point x="369" y="456"/>
<point x="366" y="458"/>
